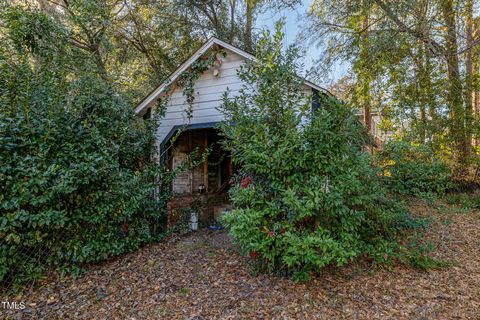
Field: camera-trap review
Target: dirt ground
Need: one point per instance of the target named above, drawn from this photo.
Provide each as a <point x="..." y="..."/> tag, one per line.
<point x="201" y="276"/>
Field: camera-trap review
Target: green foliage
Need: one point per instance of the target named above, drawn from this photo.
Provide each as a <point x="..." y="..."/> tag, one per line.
<point x="419" y="258"/>
<point x="188" y="78"/>
<point x="76" y="176"/>
<point x="413" y="169"/>
<point x="464" y="200"/>
<point x="308" y="195"/>
<point x="421" y="93"/>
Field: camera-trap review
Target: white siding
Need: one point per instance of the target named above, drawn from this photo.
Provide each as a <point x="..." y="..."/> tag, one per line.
<point x="209" y="90"/>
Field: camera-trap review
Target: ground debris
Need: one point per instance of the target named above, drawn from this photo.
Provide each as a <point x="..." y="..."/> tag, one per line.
<point x="201" y="276"/>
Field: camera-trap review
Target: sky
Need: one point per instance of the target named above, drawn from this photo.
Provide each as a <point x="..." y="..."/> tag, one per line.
<point x="293" y="26"/>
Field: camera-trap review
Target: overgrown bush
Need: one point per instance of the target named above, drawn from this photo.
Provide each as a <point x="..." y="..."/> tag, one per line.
<point x="76" y="177"/>
<point x="413" y="169"/>
<point x="308" y="195"/>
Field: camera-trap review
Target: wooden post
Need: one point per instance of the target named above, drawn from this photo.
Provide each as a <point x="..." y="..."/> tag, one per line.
<point x="230" y="167"/>
<point x="205" y="164"/>
<point x="190" y="152"/>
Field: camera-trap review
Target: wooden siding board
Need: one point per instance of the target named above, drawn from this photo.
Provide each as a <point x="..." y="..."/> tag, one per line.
<point x="234" y="55"/>
<point x="209" y="92"/>
<point x="178" y="103"/>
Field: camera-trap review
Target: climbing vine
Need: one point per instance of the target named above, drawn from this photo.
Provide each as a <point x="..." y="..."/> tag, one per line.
<point x="188" y="78"/>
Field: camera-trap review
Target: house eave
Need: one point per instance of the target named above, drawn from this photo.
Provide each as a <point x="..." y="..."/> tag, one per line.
<point x="142" y="106"/>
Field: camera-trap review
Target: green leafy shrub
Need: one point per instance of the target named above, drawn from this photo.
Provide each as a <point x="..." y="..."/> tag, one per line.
<point x="308" y="195"/>
<point x="76" y="176"/>
<point x="413" y="169"/>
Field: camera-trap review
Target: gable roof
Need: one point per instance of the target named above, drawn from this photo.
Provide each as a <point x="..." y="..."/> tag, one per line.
<point x="142" y="105"/>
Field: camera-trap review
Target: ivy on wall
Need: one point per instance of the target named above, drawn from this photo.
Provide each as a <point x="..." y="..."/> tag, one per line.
<point x="187" y="80"/>
<point x="189" y="77"/>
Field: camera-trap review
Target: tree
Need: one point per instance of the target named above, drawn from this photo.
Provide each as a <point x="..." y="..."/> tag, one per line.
<point x="364" y="74"/>
<point x="476" y="72"/>
<point x="230" y="20"/>
<point x="221" y="18"/>
<point x="136" y="44"/>
<point x="151" y="39"/>
<point x="307" y="196"/>
<point x="416" y="54"/>
<point x="455" y="87"/>
<point x="469" y="69"/>
<point x="90" y="22"/>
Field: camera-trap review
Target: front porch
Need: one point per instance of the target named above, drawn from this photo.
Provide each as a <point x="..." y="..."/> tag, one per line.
<point x="203" y="188"/>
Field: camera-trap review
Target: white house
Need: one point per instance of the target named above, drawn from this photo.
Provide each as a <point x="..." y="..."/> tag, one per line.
<point x="211" y="179"/>
<point x="209" y="89"/>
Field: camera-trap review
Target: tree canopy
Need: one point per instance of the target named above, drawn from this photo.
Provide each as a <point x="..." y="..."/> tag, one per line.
<point x="414" y="61"/>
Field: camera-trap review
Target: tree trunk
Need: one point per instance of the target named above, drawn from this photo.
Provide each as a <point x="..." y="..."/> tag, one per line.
<point x="419" y="58"/>
<point x="455" y="90"/>
<point x="430" y="96"/>
<point x="421" y="92"/>
<point x="233" y="5"/>
<point x="249" y="25"/>
<point x="365" y="72"/>
<point x="469" y="73"/>
<point x="475" y="75"/>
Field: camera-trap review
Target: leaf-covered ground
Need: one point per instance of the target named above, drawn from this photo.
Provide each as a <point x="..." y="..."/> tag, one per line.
<point x="201" y="276"/>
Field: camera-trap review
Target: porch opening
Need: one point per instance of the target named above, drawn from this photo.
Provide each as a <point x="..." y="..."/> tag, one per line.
<point x="204" y="187"/>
